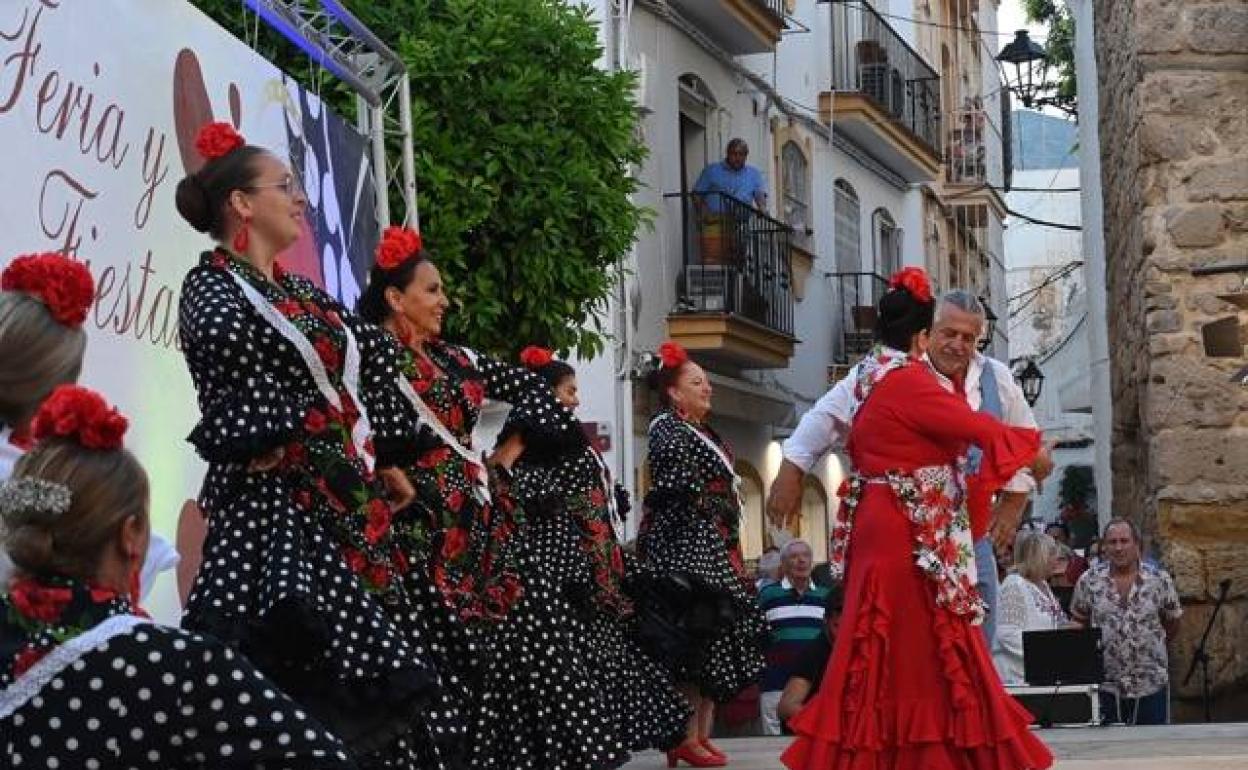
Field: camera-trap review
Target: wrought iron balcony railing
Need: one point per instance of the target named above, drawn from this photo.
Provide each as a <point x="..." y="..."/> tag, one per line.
<point x="974" y="152"/>
<point x="858" y="295"/>
<point x="736" y="261"/>
<point x="870" y="58"/>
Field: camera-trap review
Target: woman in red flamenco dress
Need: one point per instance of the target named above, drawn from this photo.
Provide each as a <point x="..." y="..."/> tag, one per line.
<point x="910" y="684"/>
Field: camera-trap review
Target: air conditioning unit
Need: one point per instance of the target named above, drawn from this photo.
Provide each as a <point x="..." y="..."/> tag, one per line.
<point x="712" y="288"/>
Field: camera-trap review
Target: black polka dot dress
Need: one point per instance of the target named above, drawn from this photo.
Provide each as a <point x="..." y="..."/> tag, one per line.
<point x="103" y="689"/>
<point x="300" y="570"/>
<point x="514" y="637"/>
<point x="690" y="525"/>
<point x="577" y="549"/>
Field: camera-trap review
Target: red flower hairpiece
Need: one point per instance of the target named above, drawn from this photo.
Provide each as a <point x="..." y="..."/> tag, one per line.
<point x="218" y="139"/>
<point x="398" y="244"/>
<point x="82" y="415"/>
<point x="913" y="280"/>
<point x="534" y="357"/>
<point x="672" y="355"/>
<point x="62" y="284"/>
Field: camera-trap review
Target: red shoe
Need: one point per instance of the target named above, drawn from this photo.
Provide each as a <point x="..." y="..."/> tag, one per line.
<point x="685" y="753"/>
<point x="712" y="748"/>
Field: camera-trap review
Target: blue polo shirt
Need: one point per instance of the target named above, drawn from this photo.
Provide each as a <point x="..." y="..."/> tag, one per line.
<point x="796" y="621"/>
<point x="741" y="184"/>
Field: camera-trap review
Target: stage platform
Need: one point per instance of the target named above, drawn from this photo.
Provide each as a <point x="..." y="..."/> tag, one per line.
<point x="1175" y="747"/>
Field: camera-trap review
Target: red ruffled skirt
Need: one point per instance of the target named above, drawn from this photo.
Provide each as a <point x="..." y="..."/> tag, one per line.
<point x="909" y="686"/>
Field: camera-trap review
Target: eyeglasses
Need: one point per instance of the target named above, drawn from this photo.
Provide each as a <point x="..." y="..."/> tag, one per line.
<point x="290" y="185"/>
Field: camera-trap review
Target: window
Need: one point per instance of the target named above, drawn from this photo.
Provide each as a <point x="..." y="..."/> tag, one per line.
<point x="887" y="243"/>
<point x="848" y="258"/>
<point x="796" y="191"/>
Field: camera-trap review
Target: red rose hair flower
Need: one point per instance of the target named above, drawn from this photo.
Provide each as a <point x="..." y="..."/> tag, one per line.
<point x="62" y="284"/>
<point x="535" y="357"/>
<point x="216" y="140"/>
<point x="672" y="355"/>
<point x="80" y="414"/>
<point x="398" y="244"/>
<point x="913" y="280"/>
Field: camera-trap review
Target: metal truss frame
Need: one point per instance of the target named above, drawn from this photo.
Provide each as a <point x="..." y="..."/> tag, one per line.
<point x="338" y="42"/>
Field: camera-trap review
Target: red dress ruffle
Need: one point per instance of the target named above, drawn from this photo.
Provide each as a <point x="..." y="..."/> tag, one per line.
<point x="910" y="685"/>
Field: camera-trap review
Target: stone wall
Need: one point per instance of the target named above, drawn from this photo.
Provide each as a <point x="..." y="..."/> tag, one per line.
<point x="1173" y="77"/>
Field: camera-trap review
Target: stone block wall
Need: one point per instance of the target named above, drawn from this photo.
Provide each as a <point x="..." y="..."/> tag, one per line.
<point x="1173" y="78"/>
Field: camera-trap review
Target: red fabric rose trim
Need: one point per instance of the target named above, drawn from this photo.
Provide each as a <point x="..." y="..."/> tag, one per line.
<point x="80" y="414"/>
<point x="62" y="284"/>
<point x="39" y="602"/>
<point x="913" y="280"/>
<point x="672" y="355"/>
<point x="216" y="140"/>
<point x="398" y="244"/>
<point x="534" y="357"/>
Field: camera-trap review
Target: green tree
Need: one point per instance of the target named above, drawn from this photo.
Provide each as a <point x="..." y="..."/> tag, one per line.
<point x="1060" y="45"/>
<point x="524" y="153"/>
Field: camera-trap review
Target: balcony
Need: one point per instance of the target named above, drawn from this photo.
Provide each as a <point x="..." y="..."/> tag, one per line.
<point x="734" y="290"/>
<point x="857" y="297"/>
<point x="739" y="26"/>
<point x="974" y="157"/>
<point x="884" y="96"/>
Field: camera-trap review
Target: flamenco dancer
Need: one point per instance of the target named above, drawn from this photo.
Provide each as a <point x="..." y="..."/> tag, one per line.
<point x="515" y="636"/>
<point x="691" y="527"/>
<point x="910" y="684"/>
<point x="86" y="679"/>
<point x="643" y="705"/>
<point x="44" y="300"/>
<point x="300" y="420"/>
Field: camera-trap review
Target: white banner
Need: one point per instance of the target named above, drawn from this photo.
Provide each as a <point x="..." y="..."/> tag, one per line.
<point x="100" y="101"/>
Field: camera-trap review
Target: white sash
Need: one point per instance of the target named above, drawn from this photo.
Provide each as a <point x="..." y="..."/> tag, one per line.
<point x="613" y="508"/>
<point x="427" y="417"/>
<point x="31" y="683"/>
<point x="351" y="364"/>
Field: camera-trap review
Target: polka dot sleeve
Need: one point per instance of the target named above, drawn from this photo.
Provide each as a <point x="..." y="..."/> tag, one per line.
<point x="394" y="422"/>
<point x="243" y="410"/>
<point x="547" y="426"/>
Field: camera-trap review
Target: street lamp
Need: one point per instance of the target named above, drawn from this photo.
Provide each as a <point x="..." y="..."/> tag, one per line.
<point x="1031" y="380"/>
<point x="1031" y="64"/>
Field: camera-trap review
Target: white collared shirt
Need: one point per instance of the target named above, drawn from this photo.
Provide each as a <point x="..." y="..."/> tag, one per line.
<point x="826" y="426"/>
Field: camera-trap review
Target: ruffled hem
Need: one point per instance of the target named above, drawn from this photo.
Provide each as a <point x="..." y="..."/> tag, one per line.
<point x="869" y="725"/>
<point x="368" y="714"/>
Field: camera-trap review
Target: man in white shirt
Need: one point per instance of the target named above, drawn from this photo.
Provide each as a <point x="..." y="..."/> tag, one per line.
<point x="960" y="322"/>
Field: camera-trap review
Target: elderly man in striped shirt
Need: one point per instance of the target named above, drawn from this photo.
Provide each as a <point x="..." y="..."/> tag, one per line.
<point x="794" y="608"/>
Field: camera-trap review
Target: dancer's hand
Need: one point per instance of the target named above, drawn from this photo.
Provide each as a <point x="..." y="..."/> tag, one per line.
<point x="399" y="490"/>
<point x="508" y="452"/>
<point x="267" y="461"/>
<point x="1042" y="466"/>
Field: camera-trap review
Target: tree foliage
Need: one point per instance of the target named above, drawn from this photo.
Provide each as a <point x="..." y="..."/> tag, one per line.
<point x="1060" y="45"/>
<point x="524" y="148"/>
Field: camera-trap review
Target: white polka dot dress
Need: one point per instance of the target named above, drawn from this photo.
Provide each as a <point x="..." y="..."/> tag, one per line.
<point x="299" y="569"/>
<point x="575" y="547"/>
<point x="126" y="693"/>
<point x="513" y="638"/>
<point x="690" y="526"/>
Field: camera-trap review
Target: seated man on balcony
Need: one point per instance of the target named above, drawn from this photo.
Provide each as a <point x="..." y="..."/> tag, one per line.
<point x="731" y="176"/>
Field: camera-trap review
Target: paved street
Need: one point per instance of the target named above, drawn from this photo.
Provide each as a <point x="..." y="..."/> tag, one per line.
<point x="1177" y="747"/>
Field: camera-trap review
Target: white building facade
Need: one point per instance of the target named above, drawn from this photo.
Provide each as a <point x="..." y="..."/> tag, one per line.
<point x="844" y="116"/>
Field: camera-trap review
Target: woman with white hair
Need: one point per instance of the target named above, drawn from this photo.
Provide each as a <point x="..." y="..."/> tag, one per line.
<point x="1026" y="602"/>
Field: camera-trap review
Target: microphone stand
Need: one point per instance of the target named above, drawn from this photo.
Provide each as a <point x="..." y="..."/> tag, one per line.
<point x="1201" y="657"/>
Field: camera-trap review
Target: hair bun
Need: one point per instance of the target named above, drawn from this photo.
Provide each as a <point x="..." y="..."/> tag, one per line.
<point x="81" y="415"/>
<point x="535" y="357"/>
<point x="62" y="284"/>
<point x="191" y="199"/>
